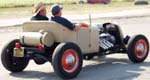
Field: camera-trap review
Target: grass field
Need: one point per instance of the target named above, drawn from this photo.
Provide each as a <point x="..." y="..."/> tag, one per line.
<point x="23" y="3"/>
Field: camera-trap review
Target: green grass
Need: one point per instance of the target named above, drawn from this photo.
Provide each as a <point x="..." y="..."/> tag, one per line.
<point x="22" y="3"/>
<point x="25" y="3"/>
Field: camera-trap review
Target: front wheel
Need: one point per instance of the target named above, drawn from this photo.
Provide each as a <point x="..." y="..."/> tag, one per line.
<point x="67" y="60"/>
<point x="11" y="63"/>
<point x="138" y="48"/>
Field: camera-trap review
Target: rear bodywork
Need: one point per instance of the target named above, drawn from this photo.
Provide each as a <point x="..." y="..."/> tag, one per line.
<point x="86" y="38"/>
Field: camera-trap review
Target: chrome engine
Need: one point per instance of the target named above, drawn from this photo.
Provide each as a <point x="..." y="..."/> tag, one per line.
<point x="106" y="41"/>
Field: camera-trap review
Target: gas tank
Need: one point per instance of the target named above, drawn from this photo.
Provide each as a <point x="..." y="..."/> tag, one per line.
<point x="36" y="38"/>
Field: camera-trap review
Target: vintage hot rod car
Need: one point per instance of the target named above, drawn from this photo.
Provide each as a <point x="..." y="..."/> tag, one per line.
<point x="44" y="41"/>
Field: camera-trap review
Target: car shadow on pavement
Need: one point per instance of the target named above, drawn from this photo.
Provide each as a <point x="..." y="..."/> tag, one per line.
<point x="101" y="69"/>
<point x="112" y="69"/>
<point x="35" y="75"/>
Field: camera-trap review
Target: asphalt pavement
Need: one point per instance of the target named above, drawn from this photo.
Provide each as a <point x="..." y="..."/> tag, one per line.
<point x="113" y="67"/>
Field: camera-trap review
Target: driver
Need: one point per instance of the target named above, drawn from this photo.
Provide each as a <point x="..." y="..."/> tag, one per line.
<point x="56" y="11"/>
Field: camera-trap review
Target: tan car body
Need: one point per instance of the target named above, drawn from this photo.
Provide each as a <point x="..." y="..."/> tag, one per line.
<point x="86" y="38"/>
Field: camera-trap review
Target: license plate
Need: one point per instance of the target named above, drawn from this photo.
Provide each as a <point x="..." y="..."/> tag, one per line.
<point x="18" y="52"/>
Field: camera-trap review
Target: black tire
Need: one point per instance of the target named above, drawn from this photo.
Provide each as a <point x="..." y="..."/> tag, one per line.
<point x="138" y="48"/>
<point x="11" y="63"/>
<point x="64" y="69"/>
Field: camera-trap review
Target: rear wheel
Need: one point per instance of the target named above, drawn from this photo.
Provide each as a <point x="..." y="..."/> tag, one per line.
<point x="11" y="63"/>
<point x="138" y="48"/>
<point x="67" y="60"/>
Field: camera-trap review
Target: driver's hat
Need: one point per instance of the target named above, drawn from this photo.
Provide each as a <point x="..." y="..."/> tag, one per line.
<point x="38" y="7"/>
<point x="55" y="8"/>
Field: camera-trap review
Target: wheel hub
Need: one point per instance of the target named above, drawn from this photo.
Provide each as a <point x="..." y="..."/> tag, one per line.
<point x="70" y="60"/>
<point x="140" y="48"/>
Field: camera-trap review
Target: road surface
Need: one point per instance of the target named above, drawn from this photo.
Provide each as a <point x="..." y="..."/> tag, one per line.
<point x="113" y="67"/>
